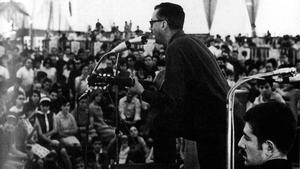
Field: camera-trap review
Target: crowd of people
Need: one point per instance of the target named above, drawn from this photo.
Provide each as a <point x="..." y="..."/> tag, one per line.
<point x="44" y="124"/>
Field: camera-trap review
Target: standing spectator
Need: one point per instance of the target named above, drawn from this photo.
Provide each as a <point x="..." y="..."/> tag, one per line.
<point x="73" y="74"/>
<point x="67" y="56"/>
<point x="60" y="63"/>
<point x="49" y="70"/>
<point x="26" y="74"/>
<point x="81" y="81"/>
<point x="68" y="68"/>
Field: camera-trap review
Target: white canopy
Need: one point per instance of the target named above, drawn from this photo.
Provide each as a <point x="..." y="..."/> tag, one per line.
<point x="231" y="17"/>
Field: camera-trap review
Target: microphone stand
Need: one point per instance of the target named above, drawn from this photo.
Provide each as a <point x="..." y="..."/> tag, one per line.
<point x="230" y="113"/>
<point x="117" y="118"/>
<point x="116" y="93"/>
<point x="100" y="60"/>
<point x="117" y="113"/>
<point x="230" y="121"/>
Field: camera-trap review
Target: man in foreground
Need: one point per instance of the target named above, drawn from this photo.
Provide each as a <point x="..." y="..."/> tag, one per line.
<point x="269" y="134"/>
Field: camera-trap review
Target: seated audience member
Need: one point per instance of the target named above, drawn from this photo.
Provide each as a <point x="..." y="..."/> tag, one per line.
<point x="122" y="69"/>
<point x="10" y="156"/>
<point x="101" y="157"/>
<point x="104" y="131"/>
<point x="47" y="130"/>
<point x="26" y="139"/>
<point x="3" y="98"/>
<point x="46" y="123"/>
<point x="37" y="86"/>
<point x="84" y="118"/>
<point x="13" y="91"/>
<point x="271" y="65"/>
<point x="34" y="100"/>
<point x="46" y="87"/>
<point x="130" y="109"/>
<point x="267" y="93"/>
<point x="269" y="134"/>
<point x="79" y="163"/>
<point x="124" y="149"/>
<point x="149" y="68"/>
<point x="17" y="108"/>
<point x="131" y="64"/>
<point x="55" y="101"/>
<point x="138" y="148"/>
<point x="67" y="126"/>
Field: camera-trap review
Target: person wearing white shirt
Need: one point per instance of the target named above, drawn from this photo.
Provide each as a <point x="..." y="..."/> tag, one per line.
<point x="4" y="72"/>
<point x="26" y="74"/>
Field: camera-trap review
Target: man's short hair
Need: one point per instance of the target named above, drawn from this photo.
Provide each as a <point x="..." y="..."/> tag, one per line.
<point x="273" y="121"/>
<point x="273" y="62"/>
<point x="172" y="13"/>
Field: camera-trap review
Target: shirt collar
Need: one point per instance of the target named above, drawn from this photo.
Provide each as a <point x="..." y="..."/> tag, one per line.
<point x="40" y="112"/>
<point x="179" y="33"/>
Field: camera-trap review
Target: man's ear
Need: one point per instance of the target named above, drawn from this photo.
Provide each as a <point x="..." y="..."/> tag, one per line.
<point x="268" y="148"/>
<point x="164" y="25"/>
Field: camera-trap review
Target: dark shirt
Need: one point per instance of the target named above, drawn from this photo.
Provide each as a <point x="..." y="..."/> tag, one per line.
<point x="41" y="118"/>
<point x="193" y="95"/>
<point x="276" y="164"/>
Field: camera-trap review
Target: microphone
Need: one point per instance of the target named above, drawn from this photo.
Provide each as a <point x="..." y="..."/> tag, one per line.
<point x="289" y="71"/>
<point x="127" y="44"/>
<point x="293" y="79"/>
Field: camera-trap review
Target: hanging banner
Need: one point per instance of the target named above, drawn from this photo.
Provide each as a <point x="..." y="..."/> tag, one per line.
<point x="210" y="8"/>
<point x="50" y="19"/>
<point x="252" y="6"/>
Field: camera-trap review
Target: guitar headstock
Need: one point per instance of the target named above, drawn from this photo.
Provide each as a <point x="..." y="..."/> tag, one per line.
<point x="100" y="81"/>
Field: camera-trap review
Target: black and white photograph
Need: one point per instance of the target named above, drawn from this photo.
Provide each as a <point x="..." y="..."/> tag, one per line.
<point x="149" y="84"/>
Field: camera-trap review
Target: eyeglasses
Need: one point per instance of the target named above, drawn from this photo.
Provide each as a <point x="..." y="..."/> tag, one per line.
<point x="153" y="21"/>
